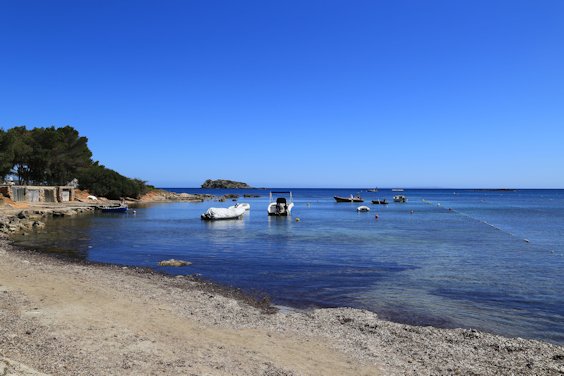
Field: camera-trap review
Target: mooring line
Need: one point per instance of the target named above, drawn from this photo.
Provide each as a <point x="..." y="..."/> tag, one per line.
<point x="450" y="210"/>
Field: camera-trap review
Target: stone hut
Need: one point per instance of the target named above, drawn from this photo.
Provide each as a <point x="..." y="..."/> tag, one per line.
<point x="38" y="193"/>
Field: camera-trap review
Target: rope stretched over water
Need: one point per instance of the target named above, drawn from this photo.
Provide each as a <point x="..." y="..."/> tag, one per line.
<point x="450" y="210"/>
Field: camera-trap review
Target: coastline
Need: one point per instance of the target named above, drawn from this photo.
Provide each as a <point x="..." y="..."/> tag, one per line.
<point x="134" y="321"/>
<point x="22" y="217"/>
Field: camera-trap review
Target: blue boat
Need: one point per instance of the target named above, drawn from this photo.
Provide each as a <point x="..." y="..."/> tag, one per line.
<point x="113" y="209"/>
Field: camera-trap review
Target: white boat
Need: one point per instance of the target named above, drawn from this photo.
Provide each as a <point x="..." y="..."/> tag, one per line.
<point x="397" y="189"/>
<point x="400" y="198"/>
<point x="214" y="214"/>
<point x="243" y="205"/>
<point x="363" y="209"/>
<point x="281" y="206"/>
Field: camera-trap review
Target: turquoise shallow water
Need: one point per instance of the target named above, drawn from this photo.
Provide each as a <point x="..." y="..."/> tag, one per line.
<point x="465" y="267"/>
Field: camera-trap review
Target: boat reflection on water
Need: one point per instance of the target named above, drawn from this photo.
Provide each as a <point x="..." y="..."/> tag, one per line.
<point x="238" y="224"/>
<point x="281" y="219"/>
<point x="276" y="223"/>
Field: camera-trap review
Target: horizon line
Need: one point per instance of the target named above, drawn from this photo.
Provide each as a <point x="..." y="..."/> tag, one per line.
<point x="384" y="188"/>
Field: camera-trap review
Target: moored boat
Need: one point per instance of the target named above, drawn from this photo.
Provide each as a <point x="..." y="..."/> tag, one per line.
<point x="215" y="214"/>
<point x="348" y="199"/>
<point x="113" y="209"/>
<point x="400" y="198"/>
<point x="363" y="209"/>
<point x="243" y="205"/>
<point x="380" y="202"/>
<point x="280" y="207"/>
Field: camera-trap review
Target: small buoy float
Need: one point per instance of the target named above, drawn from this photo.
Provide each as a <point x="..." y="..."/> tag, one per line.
<point x="297" y="219"/>
<point x="411" y="212"/>
<point x="376" y="216"/>
<point x="526" y="240"/>
<point x="135" y="212"/>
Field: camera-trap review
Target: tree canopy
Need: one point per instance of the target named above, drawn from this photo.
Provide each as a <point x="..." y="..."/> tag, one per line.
<point x="55" y="156"/>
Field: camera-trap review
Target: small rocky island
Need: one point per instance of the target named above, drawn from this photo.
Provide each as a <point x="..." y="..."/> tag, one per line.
<point x="225" y="184"/>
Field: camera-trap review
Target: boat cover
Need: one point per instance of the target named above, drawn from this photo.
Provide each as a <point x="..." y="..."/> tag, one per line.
<point x="243" y="205"/>
<point x="224" y="213"/>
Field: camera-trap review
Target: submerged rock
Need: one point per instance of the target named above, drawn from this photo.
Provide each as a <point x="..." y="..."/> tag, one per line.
<point x="173" y="262"/>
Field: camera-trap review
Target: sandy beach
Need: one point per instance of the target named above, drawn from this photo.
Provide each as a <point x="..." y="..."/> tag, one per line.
<point x="61" y="317"/>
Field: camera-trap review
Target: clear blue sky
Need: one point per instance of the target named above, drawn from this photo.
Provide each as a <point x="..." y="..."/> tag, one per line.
<point x="297" y="93"/>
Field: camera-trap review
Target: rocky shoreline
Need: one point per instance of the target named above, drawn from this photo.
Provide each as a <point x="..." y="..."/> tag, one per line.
<point x="160" y="195"/>
<point x="23" y="221"/>
<point x="69" y="317"/>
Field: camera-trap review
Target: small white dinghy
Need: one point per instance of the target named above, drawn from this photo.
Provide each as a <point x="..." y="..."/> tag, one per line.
<point x="214" y="214"/>
<point x="243" y="205"/>
<point x="363" y="209"/>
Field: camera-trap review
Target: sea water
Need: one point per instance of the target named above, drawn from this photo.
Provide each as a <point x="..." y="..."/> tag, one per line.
<point x="491" y="260"/>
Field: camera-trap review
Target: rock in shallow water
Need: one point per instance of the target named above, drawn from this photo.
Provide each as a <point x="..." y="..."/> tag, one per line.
<point x="173" y="262"/>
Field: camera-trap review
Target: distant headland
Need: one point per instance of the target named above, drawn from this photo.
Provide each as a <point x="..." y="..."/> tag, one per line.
<point x="221" y="183"/>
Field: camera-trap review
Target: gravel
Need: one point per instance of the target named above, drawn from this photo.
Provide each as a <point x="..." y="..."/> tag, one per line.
<point x="38" y="333"/>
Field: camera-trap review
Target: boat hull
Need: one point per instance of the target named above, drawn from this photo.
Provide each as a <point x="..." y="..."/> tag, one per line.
<point x="380" y="202"/>
<point x="120" y="209"/>
<point x="206" y="218"/>
<point x="348" y="199"/>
